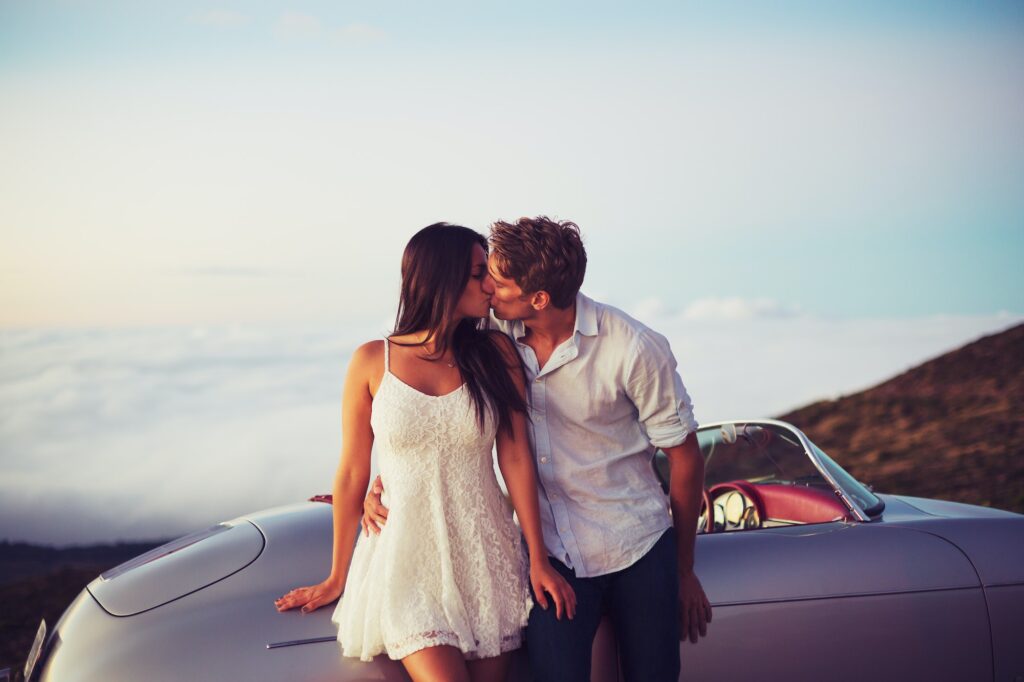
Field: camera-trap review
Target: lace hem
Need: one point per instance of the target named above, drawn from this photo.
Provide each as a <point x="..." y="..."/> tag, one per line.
<point x="422" y="640"/>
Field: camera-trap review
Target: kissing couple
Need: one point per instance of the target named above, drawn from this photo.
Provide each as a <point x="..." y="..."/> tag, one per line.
<point x="496" y="349"/>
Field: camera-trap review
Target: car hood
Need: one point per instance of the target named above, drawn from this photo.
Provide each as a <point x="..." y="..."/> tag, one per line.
<point x="954" y="509"/>
<point x="178" y="568"/>
<point x="993" y="539"/>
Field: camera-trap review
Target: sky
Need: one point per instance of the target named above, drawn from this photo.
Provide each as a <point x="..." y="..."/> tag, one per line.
<point x="203" y="207"/>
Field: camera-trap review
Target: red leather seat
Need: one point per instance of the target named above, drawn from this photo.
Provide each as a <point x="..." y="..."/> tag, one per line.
<point x="799" y="503"/>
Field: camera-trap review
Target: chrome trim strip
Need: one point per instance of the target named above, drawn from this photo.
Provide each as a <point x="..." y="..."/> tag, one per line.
<point x="36" y="650"/>
<point x="851" y="595"/>
<point x="805" y="442"/>
<point x="843" y="495"/>
<point x="790" y="522"/>
<point x="297" y="642"/>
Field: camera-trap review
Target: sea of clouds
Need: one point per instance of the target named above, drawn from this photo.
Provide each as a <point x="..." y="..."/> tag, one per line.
<point x="133" y="434"/>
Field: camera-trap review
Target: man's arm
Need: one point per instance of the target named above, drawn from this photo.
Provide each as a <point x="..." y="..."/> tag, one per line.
<point x="666" y="414"/>
<point x="686" y="488"/>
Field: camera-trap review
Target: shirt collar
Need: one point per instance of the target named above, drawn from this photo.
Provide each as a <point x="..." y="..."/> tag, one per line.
<point x="586" y="315"/>
<point x="586" y="319"/>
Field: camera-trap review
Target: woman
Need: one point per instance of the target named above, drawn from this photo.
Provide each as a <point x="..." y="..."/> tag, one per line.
<point x="445" y="586"/>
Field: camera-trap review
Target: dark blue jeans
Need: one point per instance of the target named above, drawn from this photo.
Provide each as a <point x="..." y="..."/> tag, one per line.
<point x="643" y="602"/>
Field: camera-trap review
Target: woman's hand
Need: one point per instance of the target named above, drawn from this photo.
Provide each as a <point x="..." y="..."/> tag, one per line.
<point x="544" y="578"/>
<point x="310" y="598"/>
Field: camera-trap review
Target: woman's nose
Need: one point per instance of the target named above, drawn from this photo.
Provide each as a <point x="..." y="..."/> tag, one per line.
<point x="487" y="285"/>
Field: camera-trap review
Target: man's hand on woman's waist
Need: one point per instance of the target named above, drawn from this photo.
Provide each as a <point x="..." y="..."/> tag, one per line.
<point x="375" y="514"/>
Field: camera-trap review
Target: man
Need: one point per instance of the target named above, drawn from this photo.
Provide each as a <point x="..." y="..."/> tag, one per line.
<point x="603" y="393"/>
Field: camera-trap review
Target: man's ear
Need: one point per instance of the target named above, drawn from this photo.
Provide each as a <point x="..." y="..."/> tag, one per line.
<point x="540" y="300"/>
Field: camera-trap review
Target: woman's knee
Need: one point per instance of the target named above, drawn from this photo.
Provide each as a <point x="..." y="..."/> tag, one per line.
<point x="437" y="664"/>
<point x="493" y="669"/>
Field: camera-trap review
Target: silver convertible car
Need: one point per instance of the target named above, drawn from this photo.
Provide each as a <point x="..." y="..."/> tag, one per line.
<point x="810" y="573"/>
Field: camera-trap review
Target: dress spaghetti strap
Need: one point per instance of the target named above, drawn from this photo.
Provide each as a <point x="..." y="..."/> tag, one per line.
<point x="387" y="352"/>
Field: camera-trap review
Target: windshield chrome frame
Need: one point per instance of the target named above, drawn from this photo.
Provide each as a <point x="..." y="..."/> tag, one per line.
<point x="805" y="443"/>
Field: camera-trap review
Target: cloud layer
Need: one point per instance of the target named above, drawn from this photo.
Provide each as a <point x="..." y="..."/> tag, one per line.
<point x="138" y="434"/>
<point x="132" y="434"/>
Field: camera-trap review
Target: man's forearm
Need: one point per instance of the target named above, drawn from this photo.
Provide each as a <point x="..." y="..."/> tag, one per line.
<point x="686" y="488"/>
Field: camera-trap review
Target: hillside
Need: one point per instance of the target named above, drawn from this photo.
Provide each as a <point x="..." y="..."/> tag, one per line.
<point x="951" y="428"/>
<point x="39" y="582"/>
<point x="21" y="560"/>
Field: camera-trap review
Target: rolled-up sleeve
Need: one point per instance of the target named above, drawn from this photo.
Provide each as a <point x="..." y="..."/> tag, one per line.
<point x="657" y="391"/>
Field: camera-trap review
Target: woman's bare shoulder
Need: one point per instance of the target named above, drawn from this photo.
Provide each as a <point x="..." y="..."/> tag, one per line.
<point x="370" y="349"/>
<point x="368" y="356"/>
<point x="366" y="368"/>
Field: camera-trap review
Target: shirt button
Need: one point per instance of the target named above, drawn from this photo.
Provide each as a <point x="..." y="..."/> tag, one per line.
<point x="540" y="417"/>
<point x="554" y="497"/>
<point x="543" y="459"/>
<point x="538" y="380"/>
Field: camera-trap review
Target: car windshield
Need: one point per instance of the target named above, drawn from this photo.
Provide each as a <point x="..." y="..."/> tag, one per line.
<point x="867" y="500"/>
<point x="755" y="453"/>
<point x="761" y="475"/>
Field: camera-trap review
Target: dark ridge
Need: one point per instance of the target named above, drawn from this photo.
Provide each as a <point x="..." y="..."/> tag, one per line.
<point x="27" y="601"/>
<point x="951" y="428"/>
<point x="21" y="560"/>
<point x="39" y="582"/>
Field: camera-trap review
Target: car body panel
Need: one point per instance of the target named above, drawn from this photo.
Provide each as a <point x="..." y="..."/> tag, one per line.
<point x="941" y="635"/>
<point x="217" y="633"/>
<point x="995" y="545"/>
<point x="826" y="560"/>
<point x="922" y="589"/>
<point x="1006" y="611"/>
<point x="956" y="510"/>
<point x="222" y="631"/>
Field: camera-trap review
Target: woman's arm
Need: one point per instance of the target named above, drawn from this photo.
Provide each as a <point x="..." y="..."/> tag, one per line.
<point x="517" y="468"/>
<point x="350" y="480"/>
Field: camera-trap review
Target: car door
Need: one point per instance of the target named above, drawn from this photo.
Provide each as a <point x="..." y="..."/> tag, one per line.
<point x="839" y="600"/>
<point x="811" y="598"/>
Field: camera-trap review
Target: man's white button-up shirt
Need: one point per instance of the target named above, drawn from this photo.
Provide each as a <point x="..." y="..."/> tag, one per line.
<point x="607" y="397"/>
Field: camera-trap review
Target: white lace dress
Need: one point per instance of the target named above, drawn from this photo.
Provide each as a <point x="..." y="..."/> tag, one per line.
<point x="449" y="567"/>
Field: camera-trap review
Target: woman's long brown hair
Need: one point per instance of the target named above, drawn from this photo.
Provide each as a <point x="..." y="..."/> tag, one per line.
<point x="436" y="266"/>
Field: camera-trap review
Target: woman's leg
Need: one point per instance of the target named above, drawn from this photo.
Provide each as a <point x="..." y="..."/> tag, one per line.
<point x="437" y="664"/>
<point x="494" y="669"/>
